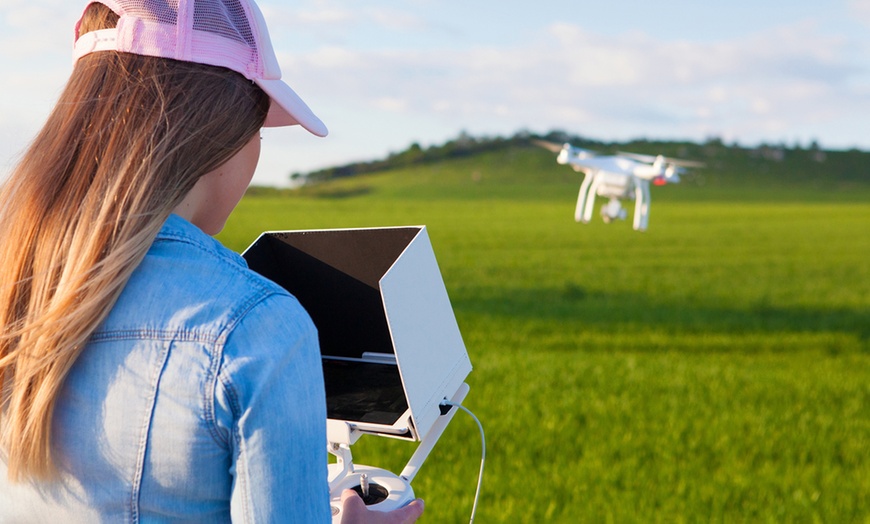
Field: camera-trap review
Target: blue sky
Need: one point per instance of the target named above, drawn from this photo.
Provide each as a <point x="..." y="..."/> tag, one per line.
<point x="383" y="74"/>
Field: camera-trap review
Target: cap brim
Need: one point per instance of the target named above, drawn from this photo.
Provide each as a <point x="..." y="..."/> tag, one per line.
<point x="287" y="109"/>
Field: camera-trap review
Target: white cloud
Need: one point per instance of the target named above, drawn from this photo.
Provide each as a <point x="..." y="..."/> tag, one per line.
<point x="391" y="104"/>
<point x="577" y="79"/>
<point x="33" y="29"/>
<point x="325" y="16"/>
<point x="791" y="81"/>
<point x="395" y="19"/>
<point x="761" y="106"/>
<point x="860" y="9"/>
<point x="407" y="84"/>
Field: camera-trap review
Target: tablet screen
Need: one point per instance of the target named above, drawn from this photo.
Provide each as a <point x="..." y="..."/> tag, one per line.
<point x="363" y="391"/>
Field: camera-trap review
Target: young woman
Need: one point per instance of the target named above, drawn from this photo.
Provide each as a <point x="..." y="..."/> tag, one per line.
<point x="145" y="373"/>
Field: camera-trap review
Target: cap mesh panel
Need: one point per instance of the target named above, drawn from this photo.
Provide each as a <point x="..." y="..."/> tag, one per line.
<point x="224" y="17"/>
<point x="163" y="11"/>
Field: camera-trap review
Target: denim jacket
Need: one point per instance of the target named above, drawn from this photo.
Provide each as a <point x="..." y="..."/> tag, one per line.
<point x="199" y="399"/>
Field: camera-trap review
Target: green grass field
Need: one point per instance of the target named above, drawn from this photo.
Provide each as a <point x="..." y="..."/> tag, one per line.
<point x="715" y="368"/>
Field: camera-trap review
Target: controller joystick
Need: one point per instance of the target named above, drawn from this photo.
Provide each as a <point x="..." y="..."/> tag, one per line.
<point x="381" y="490"/>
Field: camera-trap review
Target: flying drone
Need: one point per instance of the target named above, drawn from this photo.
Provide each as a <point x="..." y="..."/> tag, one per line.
<point x="624" y="176"/>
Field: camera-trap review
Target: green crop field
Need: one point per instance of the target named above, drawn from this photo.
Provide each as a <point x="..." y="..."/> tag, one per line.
<point x="715" y="368"/>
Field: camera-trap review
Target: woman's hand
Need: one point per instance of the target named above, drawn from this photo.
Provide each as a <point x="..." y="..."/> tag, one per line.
<point x="354" y="511"/>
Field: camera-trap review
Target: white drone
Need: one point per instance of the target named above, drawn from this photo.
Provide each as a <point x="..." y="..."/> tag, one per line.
<point x="624" y="176"/>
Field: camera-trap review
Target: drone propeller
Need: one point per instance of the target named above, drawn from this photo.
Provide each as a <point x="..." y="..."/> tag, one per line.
<point x="652" y="158"/>
<point x="553" y="147"/>
<point x="638" y="156"/>
<point x="558" y="148"/>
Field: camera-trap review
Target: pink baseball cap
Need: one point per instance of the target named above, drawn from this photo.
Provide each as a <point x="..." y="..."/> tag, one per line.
<point x="224" y="33"/>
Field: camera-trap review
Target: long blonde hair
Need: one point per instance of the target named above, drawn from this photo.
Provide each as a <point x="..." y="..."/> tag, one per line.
<point x="128" y="138"/>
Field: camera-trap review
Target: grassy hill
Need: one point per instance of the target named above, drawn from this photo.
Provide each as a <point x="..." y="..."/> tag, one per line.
<point x="726" y="163"/>
<point x="715" y="368"/>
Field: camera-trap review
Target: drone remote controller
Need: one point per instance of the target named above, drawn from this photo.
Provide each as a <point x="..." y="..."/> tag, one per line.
<point x="381" y="490"/>
<point x="394" y="363"/>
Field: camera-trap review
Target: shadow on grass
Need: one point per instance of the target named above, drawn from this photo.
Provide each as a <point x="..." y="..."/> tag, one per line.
<point x="623" y="312"/>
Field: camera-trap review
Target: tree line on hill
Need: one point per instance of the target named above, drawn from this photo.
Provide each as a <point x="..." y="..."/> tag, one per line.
<point x="461" y="146"/>
<point x="795" y="162"/>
